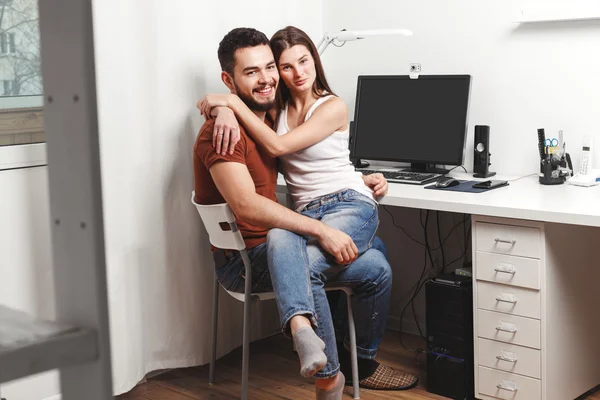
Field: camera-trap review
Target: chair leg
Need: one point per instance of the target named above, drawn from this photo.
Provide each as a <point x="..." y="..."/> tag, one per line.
<point x="213" y="339"/>
<point x="246" y="337"/>
<point x="353" y="354"/>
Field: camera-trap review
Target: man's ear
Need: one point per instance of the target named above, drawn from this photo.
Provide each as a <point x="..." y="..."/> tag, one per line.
<point x="228" y="81"/>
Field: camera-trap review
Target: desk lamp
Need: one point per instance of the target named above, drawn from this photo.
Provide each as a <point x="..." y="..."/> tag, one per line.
<point x="344" y="36"/>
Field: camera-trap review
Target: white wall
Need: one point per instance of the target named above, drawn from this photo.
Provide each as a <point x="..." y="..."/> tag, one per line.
<point x="26" y="281"/>
<point x="524" y="77"/>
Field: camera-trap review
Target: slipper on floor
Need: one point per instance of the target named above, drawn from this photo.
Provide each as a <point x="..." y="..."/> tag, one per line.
<point x="386" y="378"/>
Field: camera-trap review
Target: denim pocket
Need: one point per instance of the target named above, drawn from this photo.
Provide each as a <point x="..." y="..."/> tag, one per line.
<point x="353" y="195"/>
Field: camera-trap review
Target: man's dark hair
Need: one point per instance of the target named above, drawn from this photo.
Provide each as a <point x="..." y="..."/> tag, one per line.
<point x="238" y="38"/>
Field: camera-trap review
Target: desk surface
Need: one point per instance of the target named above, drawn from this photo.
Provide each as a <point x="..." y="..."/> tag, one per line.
<point x="522" y="199"/>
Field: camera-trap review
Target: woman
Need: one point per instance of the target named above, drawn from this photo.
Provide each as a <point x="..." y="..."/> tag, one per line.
<point x="311" y="140"/>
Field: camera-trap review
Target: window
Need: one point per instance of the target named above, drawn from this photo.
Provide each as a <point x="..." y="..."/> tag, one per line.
<point x="21" y="101"/>
<point x="9" y="86"/>
<point x="7" y="43"/>
<point x="11" y="42"/>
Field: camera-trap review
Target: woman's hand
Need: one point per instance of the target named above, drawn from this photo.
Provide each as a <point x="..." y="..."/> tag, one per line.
<point x="211" y="101"/>
<point x="377" y="183"/>
<point x="226" y="133"/>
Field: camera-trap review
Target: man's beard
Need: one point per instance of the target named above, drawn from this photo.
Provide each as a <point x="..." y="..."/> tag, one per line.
<point x="253" y="104"/>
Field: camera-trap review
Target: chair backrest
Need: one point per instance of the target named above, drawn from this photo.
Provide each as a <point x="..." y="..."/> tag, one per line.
<point x="214" y="216"/>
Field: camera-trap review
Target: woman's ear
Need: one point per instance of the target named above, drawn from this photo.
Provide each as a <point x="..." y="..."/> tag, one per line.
<point x="228" y="81"/>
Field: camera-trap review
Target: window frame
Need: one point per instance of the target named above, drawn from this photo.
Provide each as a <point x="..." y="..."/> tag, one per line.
<point x="26" y="115"/>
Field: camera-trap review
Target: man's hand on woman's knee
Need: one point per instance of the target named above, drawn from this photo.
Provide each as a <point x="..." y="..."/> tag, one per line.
<point x="338" y="244"/>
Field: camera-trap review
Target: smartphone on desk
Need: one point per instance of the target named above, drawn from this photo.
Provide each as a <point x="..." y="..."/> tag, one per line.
<point x="492" y="184"/>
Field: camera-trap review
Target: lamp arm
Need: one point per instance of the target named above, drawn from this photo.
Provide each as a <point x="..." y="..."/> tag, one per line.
<point x="324" y="43"/>
<point x="345" y="36"/>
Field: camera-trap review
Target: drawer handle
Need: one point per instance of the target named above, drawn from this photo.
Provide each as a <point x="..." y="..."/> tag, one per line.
<point x="512" y="330"/>
<point x="511" y="242"/>
<point x="505" y="271"/>
<point x="508" y="357"/>
<point x="509" y="388"/>
<point x="507" y="298"/>
<point x="507" y="327"/>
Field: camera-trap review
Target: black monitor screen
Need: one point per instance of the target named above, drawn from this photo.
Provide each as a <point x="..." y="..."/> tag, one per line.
<point x="422" y="121"/>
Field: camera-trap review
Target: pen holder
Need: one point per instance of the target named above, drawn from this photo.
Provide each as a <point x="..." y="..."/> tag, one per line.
<point x="551" y="175"/>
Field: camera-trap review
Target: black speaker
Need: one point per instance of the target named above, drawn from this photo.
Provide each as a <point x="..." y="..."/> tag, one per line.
<point x="449" y="324"/>
<point x="481" y="154"/>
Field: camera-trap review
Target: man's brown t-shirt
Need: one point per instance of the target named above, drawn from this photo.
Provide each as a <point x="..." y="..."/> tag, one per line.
<point x="261" y="166"/>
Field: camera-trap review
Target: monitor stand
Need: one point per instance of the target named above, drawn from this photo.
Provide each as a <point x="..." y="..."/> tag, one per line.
<point x="361" y="164"/>
<point x="418" y="167"/>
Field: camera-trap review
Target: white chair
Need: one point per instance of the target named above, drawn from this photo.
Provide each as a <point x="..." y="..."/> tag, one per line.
<point x="212" y="217"/>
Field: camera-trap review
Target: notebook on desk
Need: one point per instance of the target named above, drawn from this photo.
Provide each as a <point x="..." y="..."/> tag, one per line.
<point x="463" y="186"/>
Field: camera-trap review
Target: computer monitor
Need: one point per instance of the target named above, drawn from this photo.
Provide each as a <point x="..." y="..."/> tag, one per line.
<point x="422" y="121"/>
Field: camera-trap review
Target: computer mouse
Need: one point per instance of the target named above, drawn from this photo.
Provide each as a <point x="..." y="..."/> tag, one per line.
<point x="446" y="181"/>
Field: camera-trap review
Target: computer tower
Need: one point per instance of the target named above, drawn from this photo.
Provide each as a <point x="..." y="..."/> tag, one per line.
<point x="449" y="326"/>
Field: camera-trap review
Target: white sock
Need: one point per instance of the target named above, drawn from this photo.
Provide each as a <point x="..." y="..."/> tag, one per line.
<point x="310" y="350"/>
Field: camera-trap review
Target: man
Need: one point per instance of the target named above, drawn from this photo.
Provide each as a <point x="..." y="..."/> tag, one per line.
<point x="245" y="178"/>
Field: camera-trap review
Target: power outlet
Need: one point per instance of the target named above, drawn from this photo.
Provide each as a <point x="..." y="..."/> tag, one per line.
<point x="414" y="68"/>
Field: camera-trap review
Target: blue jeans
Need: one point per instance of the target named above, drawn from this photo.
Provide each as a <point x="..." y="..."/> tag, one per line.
<point x="300" y="269"/>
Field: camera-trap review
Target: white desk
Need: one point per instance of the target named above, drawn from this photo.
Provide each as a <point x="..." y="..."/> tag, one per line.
<point x="522" y="199"/>
<point x="535" y="248"/>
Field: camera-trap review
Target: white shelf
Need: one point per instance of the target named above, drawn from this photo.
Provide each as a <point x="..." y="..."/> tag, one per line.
<point x="29" y="346"/>
<point x="564" y="13"/>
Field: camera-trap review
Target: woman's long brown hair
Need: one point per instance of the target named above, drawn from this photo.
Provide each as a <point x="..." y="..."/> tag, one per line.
<point x="286" y="38"/>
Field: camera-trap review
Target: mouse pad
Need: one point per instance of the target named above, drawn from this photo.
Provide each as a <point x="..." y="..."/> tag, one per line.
<point x="463" y="186"/>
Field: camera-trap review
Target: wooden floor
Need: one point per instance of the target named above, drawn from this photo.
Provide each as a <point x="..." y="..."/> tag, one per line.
<point x="274" y="374"/>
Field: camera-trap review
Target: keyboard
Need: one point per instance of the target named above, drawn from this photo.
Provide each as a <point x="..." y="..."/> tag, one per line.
<point x="415" y="178"/>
